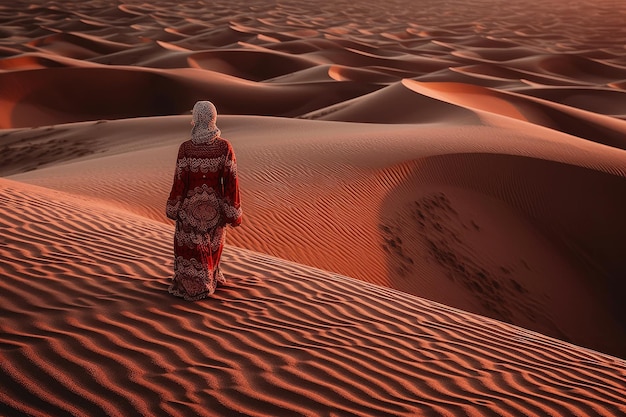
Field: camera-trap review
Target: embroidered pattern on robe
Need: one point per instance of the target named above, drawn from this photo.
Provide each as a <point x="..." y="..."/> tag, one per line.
<point x="203" y="200"/>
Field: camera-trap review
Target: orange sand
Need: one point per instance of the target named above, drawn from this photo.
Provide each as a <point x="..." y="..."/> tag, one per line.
<point x="433" y="201"/>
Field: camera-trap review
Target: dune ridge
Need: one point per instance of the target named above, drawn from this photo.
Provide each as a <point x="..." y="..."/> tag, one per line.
<point x="280" y="338"/>
<point x="247" y="56"/>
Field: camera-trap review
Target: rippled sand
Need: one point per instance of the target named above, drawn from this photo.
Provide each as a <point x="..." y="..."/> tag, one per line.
<point x="433" y="201"/>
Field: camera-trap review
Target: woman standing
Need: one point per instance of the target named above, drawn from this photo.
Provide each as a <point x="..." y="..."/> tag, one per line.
<point x="204" y="199"/>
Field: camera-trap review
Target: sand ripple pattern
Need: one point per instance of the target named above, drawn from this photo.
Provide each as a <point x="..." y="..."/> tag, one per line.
<point x="528" y="225"/>
<point x="89" y="329"/>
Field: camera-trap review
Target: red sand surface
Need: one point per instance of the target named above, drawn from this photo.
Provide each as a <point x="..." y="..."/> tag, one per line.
<point x="433" y="193"/>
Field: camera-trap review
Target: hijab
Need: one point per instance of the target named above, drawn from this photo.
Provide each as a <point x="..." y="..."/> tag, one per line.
<point x="204" y="129"/>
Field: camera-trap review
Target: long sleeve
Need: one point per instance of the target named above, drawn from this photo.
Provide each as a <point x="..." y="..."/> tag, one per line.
<point x="178" y="187"/>
<point x="231" y="204"/>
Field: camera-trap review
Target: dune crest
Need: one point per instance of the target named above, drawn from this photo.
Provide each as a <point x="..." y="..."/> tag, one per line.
<point x="270" y="54"/>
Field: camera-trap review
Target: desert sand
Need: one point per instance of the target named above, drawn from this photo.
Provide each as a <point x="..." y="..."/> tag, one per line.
<point x="433" y="203"/>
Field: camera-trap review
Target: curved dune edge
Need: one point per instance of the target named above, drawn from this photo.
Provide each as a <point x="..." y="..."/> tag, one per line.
<point x="89" y="328"/>
<point x="291" y="60"/>
<point x="521" y="239"/>
<point x="36" y="97"/>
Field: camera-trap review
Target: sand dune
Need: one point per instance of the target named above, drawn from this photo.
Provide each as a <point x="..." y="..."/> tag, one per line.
<point x="89" y="329"/>
<point x="266" y="43"/>
<point x="392" y="156"/>
<point x="314" y="188"/>
<point x="63" y="95"/>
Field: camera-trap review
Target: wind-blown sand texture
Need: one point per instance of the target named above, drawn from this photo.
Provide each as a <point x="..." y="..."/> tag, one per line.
<point x="390" y="154"/>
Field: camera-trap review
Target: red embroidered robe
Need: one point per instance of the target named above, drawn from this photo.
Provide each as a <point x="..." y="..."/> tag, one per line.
<point x="203" y="200"/>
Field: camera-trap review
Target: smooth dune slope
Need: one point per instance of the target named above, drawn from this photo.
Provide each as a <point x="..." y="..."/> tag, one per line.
<point x="89" y="329"/>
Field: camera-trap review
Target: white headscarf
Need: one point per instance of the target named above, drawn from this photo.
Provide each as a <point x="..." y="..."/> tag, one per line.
<point x="204" y="129"/>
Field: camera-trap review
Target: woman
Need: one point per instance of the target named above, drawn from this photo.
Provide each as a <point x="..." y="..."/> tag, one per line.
<point x="204" y="199"/>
